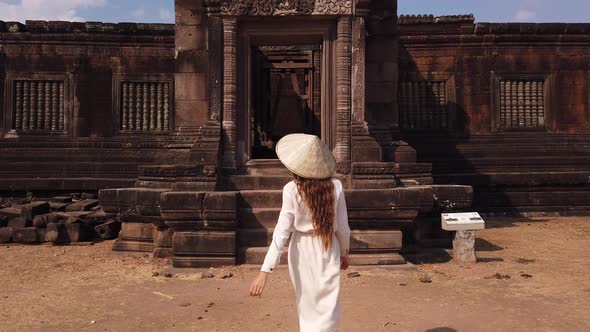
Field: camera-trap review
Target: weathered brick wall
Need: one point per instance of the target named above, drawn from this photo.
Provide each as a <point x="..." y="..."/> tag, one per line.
<point x="527" y="169"/>
<point x="93" y="53"/>
<point x="99" y="146"/>
<point x="473" y="52"/>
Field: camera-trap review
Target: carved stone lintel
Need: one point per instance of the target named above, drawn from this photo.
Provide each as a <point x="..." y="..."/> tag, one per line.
<point x="285" y="7"/>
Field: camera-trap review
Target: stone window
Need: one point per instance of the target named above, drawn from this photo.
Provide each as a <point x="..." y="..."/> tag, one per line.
<point x="37" y="104"/>
<point x="143" y="104"/>
<point x="425" y="102"/>
<point x="522" y="103"/>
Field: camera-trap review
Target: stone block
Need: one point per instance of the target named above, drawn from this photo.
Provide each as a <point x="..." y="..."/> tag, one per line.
<point x="182" y="206"/>
<point x="77" y="232"/>
<point x="4" y="221"/>
<point x="56" y="206"/>
<point x="5" y="234"/>
<point x="137" y="231"/>
<point x="220" y="210"/>
<point x="11" y="212"/>
<point x="118" y="200"/>
<point x="19" y="222"/>
<point x="191" y="37"/>
<point x="370" y="240"/>
<point x="42" y="220"/>
<point x="163" y="242"/>
<point x="194" y="86"/>
<point x="30" y="210"/>
<point x="148" y="201"/>
<point x="61" y="199"/>
<point x="83" y="205"/>
<point x="56" y="233"/>
<point x="25" y="235"/>
<point x="203" y="249"/>
<point x="204" y="242"/>
<point x="108" y="230"/>
<point x="88" y="196"/>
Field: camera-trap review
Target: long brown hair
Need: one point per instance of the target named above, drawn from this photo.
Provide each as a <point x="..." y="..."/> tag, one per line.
<point x="319" y="197"/>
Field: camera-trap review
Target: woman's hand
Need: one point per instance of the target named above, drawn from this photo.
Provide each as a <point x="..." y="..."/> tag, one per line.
<point x="258" y="284"/>
<point x="344" y="263"/>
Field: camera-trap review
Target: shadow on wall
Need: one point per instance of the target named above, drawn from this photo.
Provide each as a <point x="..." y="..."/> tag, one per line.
<point x="434" y="123"/>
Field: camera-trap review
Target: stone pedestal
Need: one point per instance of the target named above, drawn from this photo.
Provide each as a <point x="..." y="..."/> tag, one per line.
<point x="464" y="247"/>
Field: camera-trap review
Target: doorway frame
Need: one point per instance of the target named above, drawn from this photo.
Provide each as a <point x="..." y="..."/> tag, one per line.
<point x="284" y="31"/>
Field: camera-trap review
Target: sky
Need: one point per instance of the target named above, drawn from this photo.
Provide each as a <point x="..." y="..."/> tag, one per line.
<point x="162" y="11"/>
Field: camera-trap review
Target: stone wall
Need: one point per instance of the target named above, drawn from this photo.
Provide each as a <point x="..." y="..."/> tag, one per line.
<point x="86" y="103"/>
<point x="503" y="107"/>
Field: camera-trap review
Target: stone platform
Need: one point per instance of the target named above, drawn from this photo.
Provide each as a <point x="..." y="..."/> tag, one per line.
<point x="201" y="229"/>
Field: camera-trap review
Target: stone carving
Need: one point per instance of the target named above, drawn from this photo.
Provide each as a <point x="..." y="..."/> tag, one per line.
<point x="430" y="19"/>
<point x="229" y="92"/>
<point x="333" y="7"/>
<point x="343" y="104"/>
<point x="144" y="106"/>
<point x="39" y="105"/>
<point x="286" y="7"/>
<point x="215" y="64"/>
<point x="423" y="105"/>
<point x="522" y="103"/>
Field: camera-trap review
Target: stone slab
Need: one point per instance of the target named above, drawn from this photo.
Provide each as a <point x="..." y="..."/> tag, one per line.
<point x="30" y="210"/>
<point x="83" y="205"/>
<point x="25" y="235"/>
<point x="19" y="222"/>
<point x="6" y="234"/>
<point x="61" y="199"/>
<point x="41" y="221"/>
<point x="11" y="212"/>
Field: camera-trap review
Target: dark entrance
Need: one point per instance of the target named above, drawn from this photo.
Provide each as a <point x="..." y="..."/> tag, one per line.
<point x="286" y="88"/>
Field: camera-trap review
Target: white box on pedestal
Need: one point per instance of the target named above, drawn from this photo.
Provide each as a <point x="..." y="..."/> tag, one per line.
<point x="468" y="221"/>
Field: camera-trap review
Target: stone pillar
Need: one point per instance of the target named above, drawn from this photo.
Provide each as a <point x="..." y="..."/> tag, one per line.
<point x="364" y="147"/>
<point x="230" y="88"/>
<point x="464" y="247"/>
<point x="343" y="98"/>
<point x="382" y="52"/>
<point x="192" y="65"/>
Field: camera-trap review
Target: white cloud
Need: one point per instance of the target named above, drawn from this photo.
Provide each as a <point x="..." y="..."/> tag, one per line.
<point x="525" y="16"/>
<point x="138" y="13"/>
<point x="63" y="10"/>
<point x="165" y="14"/>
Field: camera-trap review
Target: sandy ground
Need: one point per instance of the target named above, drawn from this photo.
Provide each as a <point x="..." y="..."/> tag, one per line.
<point x="533" y="275"/>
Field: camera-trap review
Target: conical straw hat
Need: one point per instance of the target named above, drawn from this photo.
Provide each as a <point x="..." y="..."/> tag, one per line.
<point x="306" y="156"/>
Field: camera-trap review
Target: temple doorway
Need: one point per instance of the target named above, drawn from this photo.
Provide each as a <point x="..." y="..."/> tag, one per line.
<point x="285" y="95"/>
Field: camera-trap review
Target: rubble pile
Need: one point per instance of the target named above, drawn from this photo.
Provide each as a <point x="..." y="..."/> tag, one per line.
<point x="64" y="219"/>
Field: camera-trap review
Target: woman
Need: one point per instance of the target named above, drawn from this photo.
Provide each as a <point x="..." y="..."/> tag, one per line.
<point x="314" y="211"/>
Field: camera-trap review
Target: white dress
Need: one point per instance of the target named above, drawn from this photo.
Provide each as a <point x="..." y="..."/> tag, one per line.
<point x="315" y="272"/>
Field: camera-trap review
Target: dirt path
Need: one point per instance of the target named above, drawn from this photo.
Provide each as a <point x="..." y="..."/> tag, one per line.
<point x="533" y="275"/>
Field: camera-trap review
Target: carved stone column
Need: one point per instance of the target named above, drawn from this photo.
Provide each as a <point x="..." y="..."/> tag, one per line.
<point x="343" y="98"/>
<point x="364" y="147"/>
<point x="230" y="89"/>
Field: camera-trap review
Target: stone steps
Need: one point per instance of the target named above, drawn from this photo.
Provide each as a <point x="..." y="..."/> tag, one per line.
<point x="258" y="218"/>
<point x="253" y="182"/>
<point x="261" y="198"/>
<point x="255" y="256"/>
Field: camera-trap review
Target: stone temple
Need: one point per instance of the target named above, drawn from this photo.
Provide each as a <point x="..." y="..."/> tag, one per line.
<point x="175" y="124"/>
